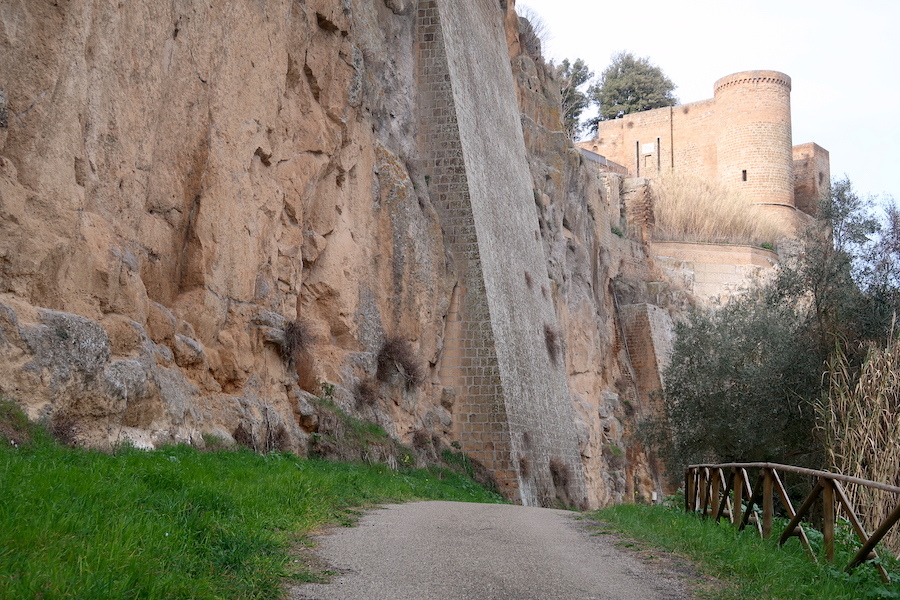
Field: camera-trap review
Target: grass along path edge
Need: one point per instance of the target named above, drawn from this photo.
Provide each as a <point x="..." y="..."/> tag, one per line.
<point x="747" y="566"/>
<point x="179" y="522"/>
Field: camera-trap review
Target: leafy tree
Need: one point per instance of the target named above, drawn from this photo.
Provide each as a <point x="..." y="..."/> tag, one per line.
<point x="572" y="78"/>
<point x="834" y="269"/>
<point x="630" y="84"/>
<point x="732" y="389"/>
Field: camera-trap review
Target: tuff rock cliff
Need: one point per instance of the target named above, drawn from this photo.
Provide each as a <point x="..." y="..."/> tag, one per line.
<point x="209" y="209"/>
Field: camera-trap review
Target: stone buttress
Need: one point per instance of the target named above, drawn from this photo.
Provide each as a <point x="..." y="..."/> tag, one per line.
<point x="503" y="354"/>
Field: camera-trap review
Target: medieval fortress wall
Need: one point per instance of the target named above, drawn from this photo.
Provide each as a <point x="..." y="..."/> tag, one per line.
<point x="741" y="138"/>
<point x="513" y="405"/>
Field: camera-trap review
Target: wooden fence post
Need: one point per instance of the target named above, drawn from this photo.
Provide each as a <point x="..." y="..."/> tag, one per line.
<point x="767" y="505"/>
<point x="828" y="518"/>
<point x="688" y="489"/>
<point x="704" y="490"/>
<point x="715" y="494"/>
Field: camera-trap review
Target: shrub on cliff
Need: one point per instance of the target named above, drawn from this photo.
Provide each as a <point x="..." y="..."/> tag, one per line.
<point x="572" y="79"/>
<point x="735" y="387"/>
<point x="398" y="359"/>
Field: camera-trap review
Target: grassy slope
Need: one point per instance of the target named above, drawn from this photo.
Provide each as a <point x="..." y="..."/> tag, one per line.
<point x="176" y="522"/>
<point x="750" y="568"/>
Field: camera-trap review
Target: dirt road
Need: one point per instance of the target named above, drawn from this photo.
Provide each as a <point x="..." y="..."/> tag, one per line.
<point x="452" y="550"/>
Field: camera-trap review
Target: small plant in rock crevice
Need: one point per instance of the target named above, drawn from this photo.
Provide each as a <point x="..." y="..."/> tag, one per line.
<point x="560" y="473"/>
<point x="397" y="357"/>
<point x="525" y="466"/>
<point x="366" y="393"/>
<point x="243" y="436"/>
<point x="297" y="337"/>
<point x="614" y="456"/>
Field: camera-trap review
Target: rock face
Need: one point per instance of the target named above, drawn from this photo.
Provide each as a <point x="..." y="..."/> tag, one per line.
<point x="207" y="210"/>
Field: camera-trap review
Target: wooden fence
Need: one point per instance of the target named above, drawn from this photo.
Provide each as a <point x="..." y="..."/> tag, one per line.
<point x="720" y="491"/>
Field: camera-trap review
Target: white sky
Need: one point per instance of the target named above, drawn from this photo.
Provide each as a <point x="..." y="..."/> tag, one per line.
<point x="843" y="59"/>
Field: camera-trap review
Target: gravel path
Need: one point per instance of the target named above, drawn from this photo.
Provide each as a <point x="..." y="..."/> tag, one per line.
<point x="455" y="550"/>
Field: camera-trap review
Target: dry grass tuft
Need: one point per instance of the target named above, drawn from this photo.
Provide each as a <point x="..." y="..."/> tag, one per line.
<point x="421" y="439"/>
<point x="397" y="356"/>
<point x="366" y="393"/>
<point x="243" y="436"/>
<point x="860" y="421"/>
<point x="689" y="208"/>
<point x="533" y="30"/>
<point x="525" y="466"/>
<point x="65" y="429"/>
<point x="297" y="337"/>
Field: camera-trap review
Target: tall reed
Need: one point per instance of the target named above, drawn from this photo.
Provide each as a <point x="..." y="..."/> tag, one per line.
<point x="690" y="208"/>
<point x="860" y="422"/>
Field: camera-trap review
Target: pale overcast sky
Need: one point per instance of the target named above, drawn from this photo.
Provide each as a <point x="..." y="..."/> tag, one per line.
<point x="843" y="59"/>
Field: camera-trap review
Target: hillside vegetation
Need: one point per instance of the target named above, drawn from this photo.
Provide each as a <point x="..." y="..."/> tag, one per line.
<point x="177" y="522"/>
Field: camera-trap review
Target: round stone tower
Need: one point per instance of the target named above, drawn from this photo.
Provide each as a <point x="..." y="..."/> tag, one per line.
<point x="753" y="111"/>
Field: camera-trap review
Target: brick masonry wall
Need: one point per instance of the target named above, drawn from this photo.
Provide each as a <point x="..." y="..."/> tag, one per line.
<point x="753" y="109"/>
<point x="649" y="336"/>
<point x="713" y="272"/>
<point x="745" y="127"/>
<point x="652" y="142"/>
<point x="694" y="139"/>
<point x="812" y="176"/>
<point x="468" y="362"/>
<point x="513" y="407"/>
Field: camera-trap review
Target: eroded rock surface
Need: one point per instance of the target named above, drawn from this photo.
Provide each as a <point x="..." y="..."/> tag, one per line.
<point x="179" y="182"/>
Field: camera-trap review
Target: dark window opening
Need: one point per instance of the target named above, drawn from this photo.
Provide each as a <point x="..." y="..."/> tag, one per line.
<point x="658" y="156"/>
<point x="637" y="158"/>
<point x="744" y="175"/>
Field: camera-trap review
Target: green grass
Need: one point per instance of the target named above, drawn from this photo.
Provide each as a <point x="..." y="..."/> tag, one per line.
<point x="177" y="522"/>
<point x="747" y="566"/>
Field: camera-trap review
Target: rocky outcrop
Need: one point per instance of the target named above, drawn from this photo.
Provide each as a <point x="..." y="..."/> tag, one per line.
<point x="206" y="211"/>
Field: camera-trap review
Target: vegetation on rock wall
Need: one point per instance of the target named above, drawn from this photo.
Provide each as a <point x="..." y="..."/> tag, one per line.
<point x="572" y="79"/>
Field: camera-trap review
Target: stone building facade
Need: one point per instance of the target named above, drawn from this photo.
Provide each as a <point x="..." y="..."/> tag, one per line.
<point x="740" y="137"/>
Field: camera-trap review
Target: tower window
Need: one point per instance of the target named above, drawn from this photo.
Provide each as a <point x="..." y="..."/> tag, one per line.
<point x="744" y="175"/>
<point x="658" y="156"/>
<point x="637" y="158"/>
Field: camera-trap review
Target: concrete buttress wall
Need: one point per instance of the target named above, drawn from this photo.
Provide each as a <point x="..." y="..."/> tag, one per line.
<point x="503" y="351"/>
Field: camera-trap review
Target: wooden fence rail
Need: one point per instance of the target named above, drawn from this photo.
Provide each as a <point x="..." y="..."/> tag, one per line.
<point x="721" y="491"/>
